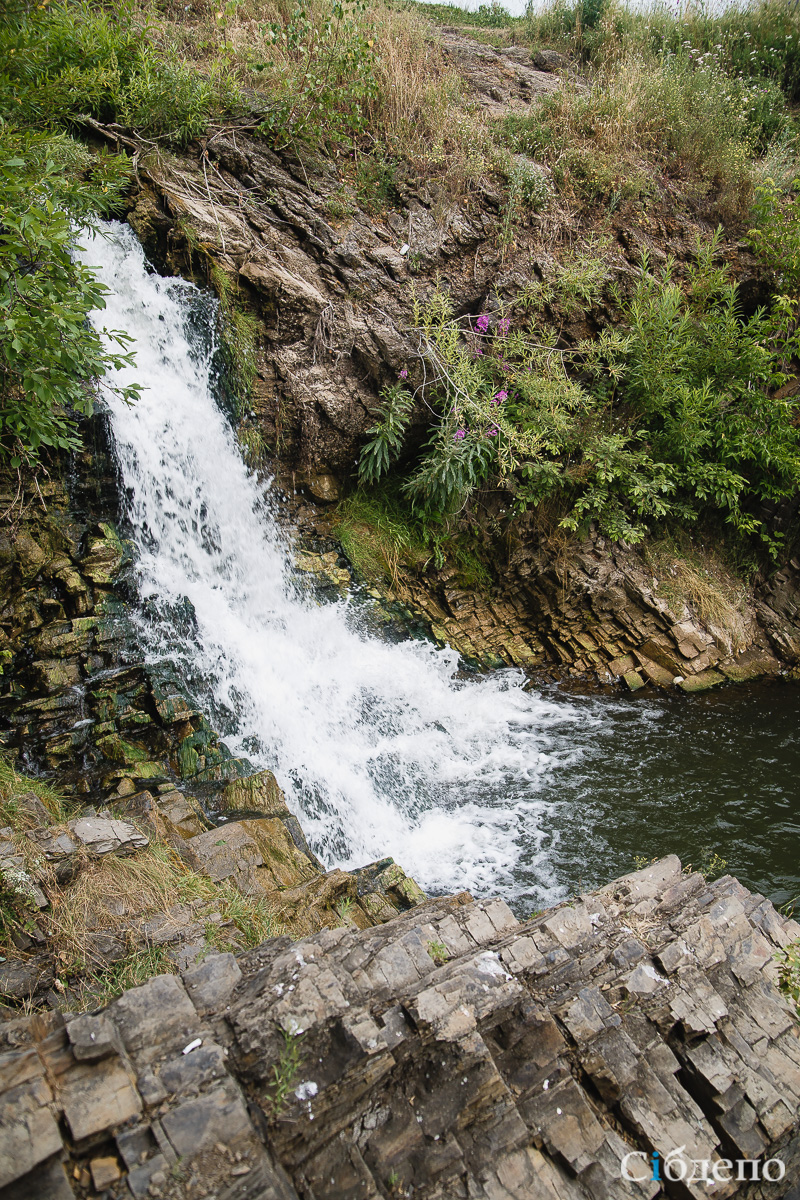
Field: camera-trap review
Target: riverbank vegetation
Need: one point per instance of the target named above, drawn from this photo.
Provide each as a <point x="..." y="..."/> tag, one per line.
<point x="681" y="407"/>
<point x="671" y="414"/>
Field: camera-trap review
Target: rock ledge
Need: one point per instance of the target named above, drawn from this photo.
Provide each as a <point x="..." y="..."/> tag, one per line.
<point x="452" y="1052"/>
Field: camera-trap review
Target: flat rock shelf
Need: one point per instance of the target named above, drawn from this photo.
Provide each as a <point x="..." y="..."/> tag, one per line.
<point x="452" y="1052"/>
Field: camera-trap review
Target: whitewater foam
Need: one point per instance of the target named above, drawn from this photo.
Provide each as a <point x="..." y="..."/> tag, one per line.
<point x="380" y="748"/>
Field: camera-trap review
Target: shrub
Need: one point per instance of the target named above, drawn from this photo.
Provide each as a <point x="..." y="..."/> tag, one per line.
<point x="674" y="416"/>
<point x="700" y="377"/>
<point x="387" y="434"/>
<point x="328" y="80"/>
<point x="492" y="16"/>
<point x="69" y="59"/>
<point x="51" y="359"/>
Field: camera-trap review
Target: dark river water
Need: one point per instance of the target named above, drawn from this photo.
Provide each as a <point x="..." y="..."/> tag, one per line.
<point x="716" y="773"/>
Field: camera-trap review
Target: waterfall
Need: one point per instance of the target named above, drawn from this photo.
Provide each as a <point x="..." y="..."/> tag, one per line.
<point x="381" y="748"/>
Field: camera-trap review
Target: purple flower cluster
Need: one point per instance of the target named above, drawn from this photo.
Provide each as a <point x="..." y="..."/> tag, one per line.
<point x="498" y="398"/>
<point x="503" y="326"/>
<point x="492" y="431"/>
<point x="459" y="434"/>
<point x="482" y="323"/>
<point x="404" y="374"/>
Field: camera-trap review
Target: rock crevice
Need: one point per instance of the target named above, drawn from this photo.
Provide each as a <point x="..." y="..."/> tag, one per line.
<point x="451" y="1052"/>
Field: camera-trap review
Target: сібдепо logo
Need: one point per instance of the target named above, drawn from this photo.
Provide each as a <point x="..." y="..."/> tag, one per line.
<point x="639" y="1167"/>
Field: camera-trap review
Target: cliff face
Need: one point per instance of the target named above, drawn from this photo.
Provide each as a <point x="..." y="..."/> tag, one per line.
<point x="333" y="296"/>
<point x="451" y="1053"/>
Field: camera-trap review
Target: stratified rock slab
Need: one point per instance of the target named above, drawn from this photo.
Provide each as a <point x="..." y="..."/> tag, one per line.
<point x="450" y="1053"/>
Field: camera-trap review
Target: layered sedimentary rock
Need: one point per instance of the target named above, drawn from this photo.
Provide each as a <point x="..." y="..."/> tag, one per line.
<point x="449" y="1053"/>
<point x="600" y="613"/>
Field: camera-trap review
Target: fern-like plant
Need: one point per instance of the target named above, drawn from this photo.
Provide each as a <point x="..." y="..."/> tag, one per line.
<point x="387" y="434"/>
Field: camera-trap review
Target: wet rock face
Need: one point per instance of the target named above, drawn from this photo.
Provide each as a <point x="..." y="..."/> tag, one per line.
<point x="599" y="614"/>
<point x="449" y="1053"/>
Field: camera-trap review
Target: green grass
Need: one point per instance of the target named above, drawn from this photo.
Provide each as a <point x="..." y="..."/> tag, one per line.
<point x="756" y="41"/>
<point x="14" y="784"/>
<point x="73" y="58"/>
<point x="378" y="534"/>
<point x="100" y="987"/>
<point x="486" y="16"/>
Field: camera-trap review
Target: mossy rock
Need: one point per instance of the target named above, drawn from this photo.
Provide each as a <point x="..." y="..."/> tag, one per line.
<point x="105" y="557"/>
<point x="203" y="758"/>
<point x="255" y="793"/>
<point x="702" y="681"/>
<point x="119" y="751"/>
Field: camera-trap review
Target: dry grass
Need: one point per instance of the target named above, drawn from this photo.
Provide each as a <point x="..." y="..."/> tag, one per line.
<point x="637" y="117"/>
<point x="115" y="898"/>
<point x="418" y="111"/>
<point x="119" y="895"/>
<point x="700" y="582"/>
<point x="422" y="110"/>
<point x="13" y="785"/>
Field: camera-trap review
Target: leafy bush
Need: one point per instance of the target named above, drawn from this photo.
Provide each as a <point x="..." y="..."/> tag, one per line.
<point x="675" y="416"/>
<point x="700" y="376"/>
<point x="328" y="79"/>
<point x="387" y="434"/>
<point x="491" y="16"/>
<point x="51" y="359"/>
<point x="776" y="235"/>
<point x="69" y="59"/>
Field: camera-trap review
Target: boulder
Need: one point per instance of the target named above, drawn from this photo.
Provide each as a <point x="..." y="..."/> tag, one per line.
<point x="31" y="809"/>
<point x="258" y="793"/>
<point x="107" y="835"/>
<point x="549" y="60"/>
<point x="702" y="681"/>
<point x="181" y="814"/>
<point x="257" y="856"/>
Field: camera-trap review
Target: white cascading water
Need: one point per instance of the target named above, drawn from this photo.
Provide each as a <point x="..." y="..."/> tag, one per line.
<point x="380" y="748"/>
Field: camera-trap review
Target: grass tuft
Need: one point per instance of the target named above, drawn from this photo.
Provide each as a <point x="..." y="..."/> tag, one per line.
<point x="13" y="785"/>
<point x="698" y="580"/>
